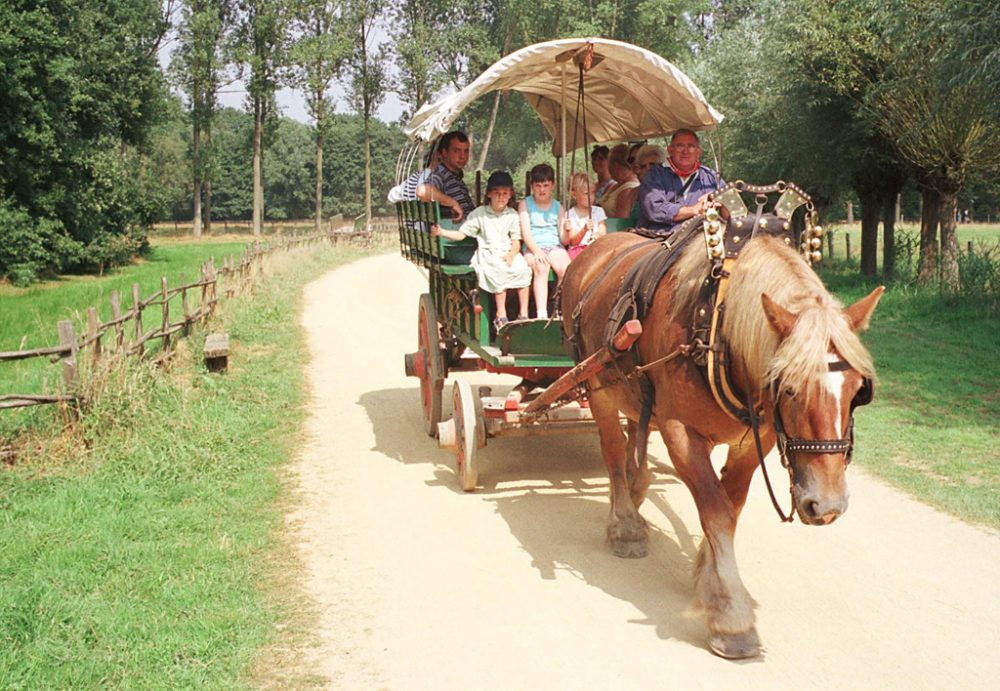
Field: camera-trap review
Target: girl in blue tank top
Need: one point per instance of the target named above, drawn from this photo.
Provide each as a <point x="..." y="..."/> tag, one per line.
<point x="541" y="217"/>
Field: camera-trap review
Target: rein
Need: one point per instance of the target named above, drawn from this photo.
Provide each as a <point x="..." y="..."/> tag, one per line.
<point x="706" y="346"/>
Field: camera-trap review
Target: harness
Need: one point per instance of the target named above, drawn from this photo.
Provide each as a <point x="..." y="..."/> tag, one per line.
<point x="707" y="348"/>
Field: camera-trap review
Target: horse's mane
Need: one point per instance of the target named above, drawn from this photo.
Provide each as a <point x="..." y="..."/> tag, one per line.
<point x="768" y="265"/>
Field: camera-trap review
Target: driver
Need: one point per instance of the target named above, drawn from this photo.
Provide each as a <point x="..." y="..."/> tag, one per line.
<point x="677" y="190"/>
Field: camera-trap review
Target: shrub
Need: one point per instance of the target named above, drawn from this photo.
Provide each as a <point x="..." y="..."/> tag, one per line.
<point x="30" y="246"/>
<point x="979" y="274"/>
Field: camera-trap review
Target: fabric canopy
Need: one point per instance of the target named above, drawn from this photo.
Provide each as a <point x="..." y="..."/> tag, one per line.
<point x="630" y="93"/>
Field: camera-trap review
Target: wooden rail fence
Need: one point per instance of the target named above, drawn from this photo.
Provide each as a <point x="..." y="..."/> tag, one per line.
<point x="181" y="307"/>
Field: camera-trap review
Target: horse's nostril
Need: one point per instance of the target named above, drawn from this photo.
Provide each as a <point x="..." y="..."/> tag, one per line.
<point x="811" y="508"/>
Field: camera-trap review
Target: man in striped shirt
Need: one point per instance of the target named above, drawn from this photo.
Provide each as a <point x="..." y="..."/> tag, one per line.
<point x="445" y="185"/>
<point x="406" y="191"/>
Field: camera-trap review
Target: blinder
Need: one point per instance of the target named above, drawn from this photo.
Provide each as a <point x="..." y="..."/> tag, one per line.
<point x="788" y="446"/>
<point x="865" y="393"/>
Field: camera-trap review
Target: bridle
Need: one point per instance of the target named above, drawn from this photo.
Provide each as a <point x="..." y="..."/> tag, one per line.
<point x="788" y="447"/>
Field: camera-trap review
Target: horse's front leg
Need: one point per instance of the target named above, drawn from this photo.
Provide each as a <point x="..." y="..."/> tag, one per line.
<point x="741" y="462"/>
<point x="627" y="532"/>
<point x="718" y="587"/>
<point x="637" y="467"/>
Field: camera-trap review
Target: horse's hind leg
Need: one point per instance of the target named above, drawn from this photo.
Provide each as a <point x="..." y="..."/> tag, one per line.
<point x="627" y="533"/>
<point x="718" y="586"/>
<point x="636" y="468"/>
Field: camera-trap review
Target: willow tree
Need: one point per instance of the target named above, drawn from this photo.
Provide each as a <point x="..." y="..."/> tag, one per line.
<point x="945" y="128"/>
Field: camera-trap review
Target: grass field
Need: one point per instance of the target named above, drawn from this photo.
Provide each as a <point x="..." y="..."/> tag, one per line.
<point x="978" y="234"/>
<point x="139" y="547"/>
<point x="934" y="427"/>
<point x="28" y="316"/>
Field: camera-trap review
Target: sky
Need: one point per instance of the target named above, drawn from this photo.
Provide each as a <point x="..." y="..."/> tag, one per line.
<point x="291" y="102"/>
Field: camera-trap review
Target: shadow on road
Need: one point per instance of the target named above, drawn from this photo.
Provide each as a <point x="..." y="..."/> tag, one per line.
<point x="552" y="491"/>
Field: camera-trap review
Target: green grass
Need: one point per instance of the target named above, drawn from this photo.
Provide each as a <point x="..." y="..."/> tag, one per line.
<point x="28" y="316"/>
<point x="977" y="233"/>
<point x="934" y="427"/>
<point x="136" y="549"/>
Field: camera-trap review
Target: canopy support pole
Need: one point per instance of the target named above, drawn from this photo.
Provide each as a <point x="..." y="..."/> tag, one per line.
<point x="562" y="169"/>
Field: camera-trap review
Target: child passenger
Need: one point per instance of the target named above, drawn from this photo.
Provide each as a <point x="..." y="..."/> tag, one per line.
<point x="584" y="222"/>
<point x="498" y="261"/>
<point x="539" y="215"/>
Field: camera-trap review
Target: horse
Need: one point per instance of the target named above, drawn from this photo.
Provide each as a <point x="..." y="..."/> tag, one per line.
<point x="792" y="351"/>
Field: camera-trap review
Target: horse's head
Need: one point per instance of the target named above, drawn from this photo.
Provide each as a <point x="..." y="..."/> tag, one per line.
<point x="820" y="373"/>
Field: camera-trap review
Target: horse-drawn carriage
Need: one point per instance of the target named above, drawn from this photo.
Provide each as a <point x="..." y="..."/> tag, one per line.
<point x="624" y="93"/>
<point x="719" y="334"/>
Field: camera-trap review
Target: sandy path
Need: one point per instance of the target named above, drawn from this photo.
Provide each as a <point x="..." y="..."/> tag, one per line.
<point x="421" y="586"/>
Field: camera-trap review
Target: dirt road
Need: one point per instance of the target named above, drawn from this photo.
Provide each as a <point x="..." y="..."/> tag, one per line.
<point x="421" y="586"/>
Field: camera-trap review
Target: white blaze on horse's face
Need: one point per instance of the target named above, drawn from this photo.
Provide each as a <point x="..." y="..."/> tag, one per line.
<point x="833" y="382"/>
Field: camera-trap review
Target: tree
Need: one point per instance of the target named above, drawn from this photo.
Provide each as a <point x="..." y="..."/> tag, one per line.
<point x="81" y="92"/>
<point x="198" y="67"/>
<point x="366" y="77"/>
<point x="260" y="47"/>
<point x="945" y="129"/>
<point x="316" y="56"/>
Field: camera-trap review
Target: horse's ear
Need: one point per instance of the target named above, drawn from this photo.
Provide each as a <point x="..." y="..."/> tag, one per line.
<point x="781" y="320"/>
<point x="860" y="312"/>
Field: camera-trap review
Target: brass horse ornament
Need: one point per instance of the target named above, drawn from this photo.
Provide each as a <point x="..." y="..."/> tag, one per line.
<point x="741" y="345"/>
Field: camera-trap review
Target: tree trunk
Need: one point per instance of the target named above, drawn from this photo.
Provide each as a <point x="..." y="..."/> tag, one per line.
<point x="368" y="178"/>
<point x="196" y="156"/>
<point x="871" y="208"/>
<point x="889" y="214"/>
<point x="949" y="243"/>
<point x="207" y="211"/>
<point x="258" y="181"/>
<point x="319" y="181"/>
<point x="206" y="175"/>
<point x="489" y="132"/>
<point x="929" y="209"/>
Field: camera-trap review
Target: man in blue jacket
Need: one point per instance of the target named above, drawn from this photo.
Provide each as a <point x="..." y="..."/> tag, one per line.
<point x="677" y="190"/>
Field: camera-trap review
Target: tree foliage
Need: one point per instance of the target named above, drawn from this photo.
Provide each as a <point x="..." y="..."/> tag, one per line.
<point x="81" y="91"/>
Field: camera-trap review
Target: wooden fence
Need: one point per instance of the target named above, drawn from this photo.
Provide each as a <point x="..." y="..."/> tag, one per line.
<point x="125" y="334"/>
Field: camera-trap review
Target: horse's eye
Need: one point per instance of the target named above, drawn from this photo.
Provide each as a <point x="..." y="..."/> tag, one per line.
<point x="789" y="392"/>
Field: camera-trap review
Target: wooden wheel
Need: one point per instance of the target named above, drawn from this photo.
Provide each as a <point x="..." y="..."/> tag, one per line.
<point x="470" y="434"/>
<point x="432" y="371"/>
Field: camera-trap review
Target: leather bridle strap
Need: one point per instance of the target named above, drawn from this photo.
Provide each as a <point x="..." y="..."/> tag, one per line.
<point x="755" y="426"/>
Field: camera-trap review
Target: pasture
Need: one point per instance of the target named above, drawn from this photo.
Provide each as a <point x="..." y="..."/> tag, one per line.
<point x="138" y="542"/>
<point x="981" y="235"/>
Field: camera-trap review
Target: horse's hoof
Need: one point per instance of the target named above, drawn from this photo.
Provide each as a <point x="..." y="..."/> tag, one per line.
<point x="735" y="646"/>
<point x="629" y="549"/>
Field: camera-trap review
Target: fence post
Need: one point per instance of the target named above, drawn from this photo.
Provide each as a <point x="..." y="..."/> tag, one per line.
<point x="829" y="243"/>
<point x="970" y="248"/>
<point x="67" y="339"/>
<point x="137" y="306"/>
<point x="165" y="321"/>
<point x="116" y="314"/>
<point x="203" y="307"/>
<point x="93" y="337"/>
<point x="847" y="240"/>
<point x="214" y="281"/>
<point x="185" y="308"/>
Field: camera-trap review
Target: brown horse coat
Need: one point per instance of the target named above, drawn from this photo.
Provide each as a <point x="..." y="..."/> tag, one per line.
<point x="782" y="327"/>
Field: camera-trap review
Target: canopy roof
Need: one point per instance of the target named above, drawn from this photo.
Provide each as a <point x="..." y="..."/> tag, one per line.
<point x="630" y="93"/>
